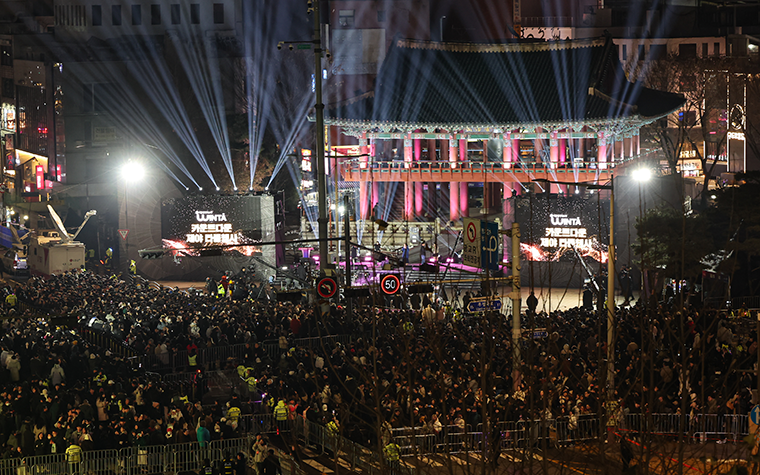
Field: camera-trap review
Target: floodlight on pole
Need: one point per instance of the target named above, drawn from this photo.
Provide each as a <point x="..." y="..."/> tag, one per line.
<point x="132" y="171"/>
<point x="642" y="174"/>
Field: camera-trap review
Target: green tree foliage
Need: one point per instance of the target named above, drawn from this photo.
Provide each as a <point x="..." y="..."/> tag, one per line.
<point x="673" y="243"/>
<point x="736" y="217"/>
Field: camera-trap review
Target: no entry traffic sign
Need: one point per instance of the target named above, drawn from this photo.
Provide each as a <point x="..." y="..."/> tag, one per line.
<point x="390" y="284"/>
<point x="327" y="287"/>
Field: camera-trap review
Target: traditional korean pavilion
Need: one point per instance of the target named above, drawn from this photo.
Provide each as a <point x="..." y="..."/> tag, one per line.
<point x="497" y="114"/>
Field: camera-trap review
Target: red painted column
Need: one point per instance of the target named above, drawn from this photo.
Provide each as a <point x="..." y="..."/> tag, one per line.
<point x="363" y="185"/>
<point x="516" y="160"/>
<point x="408" y="186"/>
<point x="538" y="146"/>
<point x="464" y="193"/>
<point x="636" y="145"/>
<point x="508" y="219"/>
<point x="562" y="151"/>
<point x="453" y="153"/>
<point x="506" y="153"/>
<point x="601" y="152"/>
<point x="418" y="186"/>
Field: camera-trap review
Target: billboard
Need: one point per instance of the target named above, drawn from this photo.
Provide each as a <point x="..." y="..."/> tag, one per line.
<point x="192" y="223"/>
<point x="556" y="228"/>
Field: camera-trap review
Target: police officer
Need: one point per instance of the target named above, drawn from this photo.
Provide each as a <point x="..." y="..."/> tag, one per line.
<point x="392" y="455"/>
<point x="74" y="457"/>
<point x="281" y="416"/>
<point x="132" y="267"/>
<point x="228" y="466"/>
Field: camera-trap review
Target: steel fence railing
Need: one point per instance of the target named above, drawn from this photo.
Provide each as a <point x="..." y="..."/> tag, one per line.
<point x="176" y="458"/>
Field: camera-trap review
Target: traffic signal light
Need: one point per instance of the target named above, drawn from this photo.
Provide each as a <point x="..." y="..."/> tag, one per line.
<point x="151" y="253"/>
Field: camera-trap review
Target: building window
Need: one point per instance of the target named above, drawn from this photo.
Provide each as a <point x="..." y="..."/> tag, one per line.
<point x="346" y="18"/>
<point x="705" y="50"/>
<point x="195" y="13"/>
<point x="625" y="52"/>
<point x="218" y="13"/>
<point x="136" y="15"/>
<point x="381" y="16"/>
<point x="116" y="15"/>
<point x="657" y="52"/>
<point x="97" y="15"/>
<point x="6" y="56"/>
<point x="155" y="14"/>
<point x="642" y="53"/>
<point x="716" y="49"/>
<point x="687" y="50"/>
<point x="688" y="83"/>
<point x="8" y="87"/>
<point x="174" y="11"/>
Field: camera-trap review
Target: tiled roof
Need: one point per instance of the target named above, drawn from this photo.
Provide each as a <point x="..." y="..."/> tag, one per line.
<point x="434" y="84"/>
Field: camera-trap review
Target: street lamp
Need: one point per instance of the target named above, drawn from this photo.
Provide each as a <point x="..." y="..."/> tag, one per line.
<point x="132" y="172"/>
<point x="610" y="279"/>
<point x="316" y="45"/>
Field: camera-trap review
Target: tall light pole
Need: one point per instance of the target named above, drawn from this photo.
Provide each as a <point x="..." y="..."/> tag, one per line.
<point x="319" y="119"/>
<point x="610" y="290"/>
<point x="319" y="110"/>
<point x="132" y="171"/>
<point x="610" y="278"/>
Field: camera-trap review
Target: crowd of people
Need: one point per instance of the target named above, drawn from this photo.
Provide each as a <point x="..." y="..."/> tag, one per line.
<point x="398" y="370"/>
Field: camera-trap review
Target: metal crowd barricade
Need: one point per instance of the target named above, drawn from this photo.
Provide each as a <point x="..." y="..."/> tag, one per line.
<point x="10" y="466"/>
<point x="232" y="446"/>
<point x="101" y="461"/>
<point x="47" y="464"/>
<point x="191" y="460"/>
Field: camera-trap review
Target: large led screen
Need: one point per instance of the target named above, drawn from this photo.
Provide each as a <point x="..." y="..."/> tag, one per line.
<point x="555" y="227"/>
<point x="235" y="223"/>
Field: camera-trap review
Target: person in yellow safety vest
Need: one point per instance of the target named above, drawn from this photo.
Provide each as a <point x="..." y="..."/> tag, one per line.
<point x="233" y="414"/>
<point x="11" y="300"/>
<point x="281" y="416"/>
<point x="74" y="457"/>
<point x="220" y="292"/>
<point x="251" y="382"/>
<point x="132" y="267"/>
<point x="99" y="379"/>
<point x="109" y="256"/>
<point x="408" y="327"/>
<point x="332" y="428"/>
<point x="241" y="371"/>
<point x="392" y="452"/>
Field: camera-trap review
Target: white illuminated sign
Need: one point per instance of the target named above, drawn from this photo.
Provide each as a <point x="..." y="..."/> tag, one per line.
<point x="212" y="228"/>
<point x="566" y="232"/>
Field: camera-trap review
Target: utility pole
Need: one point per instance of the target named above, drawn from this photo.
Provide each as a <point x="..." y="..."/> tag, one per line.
<point x="319" y="110"/>
<point x="611" y="297"/>
<point x="347" y="235"/>
<point x="516" y="333"/>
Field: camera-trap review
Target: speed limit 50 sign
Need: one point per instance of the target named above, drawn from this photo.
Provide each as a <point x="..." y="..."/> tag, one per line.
<point x="390" y="284"/>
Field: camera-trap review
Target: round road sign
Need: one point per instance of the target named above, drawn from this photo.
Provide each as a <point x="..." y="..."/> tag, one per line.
<point x="390" y="284"/>
<point x="472" y="233"/>
<point x="327" y="287"/>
